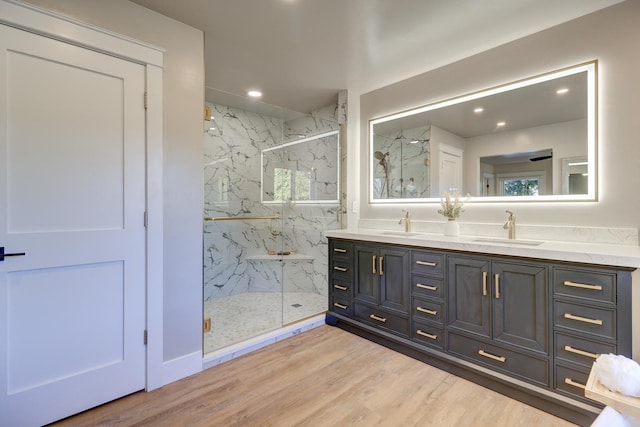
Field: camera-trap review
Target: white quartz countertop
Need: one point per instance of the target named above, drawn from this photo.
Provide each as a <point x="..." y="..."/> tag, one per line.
<point x="588" y="253"/>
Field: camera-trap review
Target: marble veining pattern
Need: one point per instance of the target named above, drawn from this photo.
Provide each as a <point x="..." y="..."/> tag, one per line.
<point x="233" y="141"/>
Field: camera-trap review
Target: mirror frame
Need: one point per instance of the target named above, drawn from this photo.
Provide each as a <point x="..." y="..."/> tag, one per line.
<point x="296" y="142"/>
<point x="590" y="67"/>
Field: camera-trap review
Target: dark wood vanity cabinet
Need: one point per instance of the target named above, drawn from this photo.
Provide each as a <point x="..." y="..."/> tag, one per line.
<point x="381" y="287"/>
<point x="528" y="328"/>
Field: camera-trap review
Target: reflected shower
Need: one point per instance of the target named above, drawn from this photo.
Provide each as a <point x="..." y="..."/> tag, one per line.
<point x="382" y="157"/>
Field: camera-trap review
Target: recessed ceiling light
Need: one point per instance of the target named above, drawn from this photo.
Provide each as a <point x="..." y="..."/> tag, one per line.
<point x="254" y="93"/>
<point x="415" y="141"/>
<point x="478" y="110"/>
<point x="501" y="124"/>
<point x="562" y="91"/>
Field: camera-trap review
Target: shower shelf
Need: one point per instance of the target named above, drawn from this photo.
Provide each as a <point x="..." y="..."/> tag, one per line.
<point x="292" y="257"/>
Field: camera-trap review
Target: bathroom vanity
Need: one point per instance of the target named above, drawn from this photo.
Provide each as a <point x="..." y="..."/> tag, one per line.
<point x="526" y="319"/>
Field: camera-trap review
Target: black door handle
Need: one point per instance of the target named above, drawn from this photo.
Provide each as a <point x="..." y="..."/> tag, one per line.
<point x="2" y="254"/>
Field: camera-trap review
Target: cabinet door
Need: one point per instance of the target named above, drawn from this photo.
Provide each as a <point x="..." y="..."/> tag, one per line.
<point x="469" y="295"/>
<point x="393" y="270"/>
<point x="521" y="306"/>
<point x="367" y="280"/>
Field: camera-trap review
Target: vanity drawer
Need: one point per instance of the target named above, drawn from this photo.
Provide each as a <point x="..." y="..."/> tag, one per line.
<point x="428" y="334"/>
<point x="341" y="306"/>
<point x="579" y="350"/>
<point x="340" y="249"/>
<point x="597" y="321"/>
<point x="341" y="287"/>
<point x="571" y="381"/>
<point x="340" y="269"/>
<point x="426" y="286"/>
<point x="382" y="319"/>
<point x="511" y="362"/>
<point x="587" y="284"/>
<point x="427" y="310"/>
<point x="427" y="263"/>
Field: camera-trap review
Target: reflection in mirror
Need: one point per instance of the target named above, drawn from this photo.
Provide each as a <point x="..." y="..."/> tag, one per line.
<point x="305" y="171"/>
<point x="529" y="140"/>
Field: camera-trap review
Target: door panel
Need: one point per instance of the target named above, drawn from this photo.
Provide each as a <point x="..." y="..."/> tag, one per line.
<point x="469" y="304"/>
<point x="394" y="292"/>
<point x="366" y="281"/>
<point x="72" y="199"/>
<point x="521" y="311"/>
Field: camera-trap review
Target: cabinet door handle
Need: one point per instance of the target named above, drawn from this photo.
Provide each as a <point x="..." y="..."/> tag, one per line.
<point x="341" y="288"/>
<point x="342" y="251"/>
<point x="428" y="287"/>
<point x="484" y="283"/>
<point x="580" y="352"/>
<point x="373" y="264"/>
<point x="427" y="263"/>
<point x="501" y="359"/>
<point x="424" y="334"/>
<point x="582" y="285"/>
<point x="583" y="319"/>
<point x="340" y="268"/>
<point x="380" y="265"/>
<point x="574" y="383"/>
<point x="426" y="310"/>
<point x="342" y="306"/>
<point x="497" y="279"/>
<point x="378" y="318"/>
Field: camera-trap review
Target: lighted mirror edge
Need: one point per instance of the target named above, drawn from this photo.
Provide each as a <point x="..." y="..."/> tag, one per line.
<point x="591" y="67"/>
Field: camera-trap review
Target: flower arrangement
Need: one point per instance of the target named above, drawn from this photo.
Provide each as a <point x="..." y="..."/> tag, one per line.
<point x="451" y="205"/>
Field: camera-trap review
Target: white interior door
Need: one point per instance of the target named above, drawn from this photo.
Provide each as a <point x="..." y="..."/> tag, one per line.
<point x="72" y="198"/>
<point x="450" y="170"/>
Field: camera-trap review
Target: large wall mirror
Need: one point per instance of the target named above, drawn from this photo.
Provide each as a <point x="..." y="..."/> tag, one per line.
<point x="529" y="140"/>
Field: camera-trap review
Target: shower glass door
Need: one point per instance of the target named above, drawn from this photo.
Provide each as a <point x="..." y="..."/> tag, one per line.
<point x="265" y="208"/>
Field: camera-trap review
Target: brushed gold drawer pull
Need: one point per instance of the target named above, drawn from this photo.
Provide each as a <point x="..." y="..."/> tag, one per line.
<point x="380" y="265"/>
<point x="340" y="268"/>
<point x="583" y="319"/>
<point x="426" y="310"/>
<point x="582" y="285"/>
<point x="497" y="279"/>
<point x="428" y="287"/>
<point x="424" y="334"/>
<point x="427" y="263"/>
<point x="342" y="251"/>
<point x="580" y="352"/>
<point x="378" y="318"/>
<point x="501" y="359"/>
<point x="342" y="288"/>
<point x="342" y="306"/>
<point x="373" y="264"/>
<point x="574" y="383"/>
<point x="484" y="283"/>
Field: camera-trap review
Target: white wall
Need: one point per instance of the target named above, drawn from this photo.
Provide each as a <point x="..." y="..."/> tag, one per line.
<point x="183" y="104"/>
<point x="612" y="36"/>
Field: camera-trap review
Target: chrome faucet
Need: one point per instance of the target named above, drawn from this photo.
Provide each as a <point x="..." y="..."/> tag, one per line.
<point x="510" y="225"/>
<point x="407" y="220"/>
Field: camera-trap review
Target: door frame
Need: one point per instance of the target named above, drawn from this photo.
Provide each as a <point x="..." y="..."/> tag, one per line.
<point x="59" y="27"/>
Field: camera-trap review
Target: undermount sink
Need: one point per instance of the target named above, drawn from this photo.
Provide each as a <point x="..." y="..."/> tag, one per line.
<point x="400" y="233"/>
<point x="509" y="242"/>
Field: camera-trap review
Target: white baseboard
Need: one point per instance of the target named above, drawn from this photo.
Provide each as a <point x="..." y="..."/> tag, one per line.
<point x="181" y="367"/>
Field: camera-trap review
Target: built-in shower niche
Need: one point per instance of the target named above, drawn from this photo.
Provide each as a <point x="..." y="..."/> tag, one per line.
<point x="302" y="171"/>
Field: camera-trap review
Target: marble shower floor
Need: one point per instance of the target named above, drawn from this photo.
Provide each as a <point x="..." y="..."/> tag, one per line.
<point x="239" y="317"/>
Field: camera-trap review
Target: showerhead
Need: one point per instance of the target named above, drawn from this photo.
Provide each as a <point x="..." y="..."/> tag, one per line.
<point x="378" y="155"/>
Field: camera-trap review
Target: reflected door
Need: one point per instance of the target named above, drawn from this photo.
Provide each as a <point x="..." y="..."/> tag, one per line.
<point x="72" y="198"/>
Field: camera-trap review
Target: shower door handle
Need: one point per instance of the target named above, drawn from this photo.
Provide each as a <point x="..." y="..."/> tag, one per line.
<point x="2" y="254"/>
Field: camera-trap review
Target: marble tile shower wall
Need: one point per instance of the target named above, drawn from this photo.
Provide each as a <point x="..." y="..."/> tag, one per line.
<point x="234" y="251"/>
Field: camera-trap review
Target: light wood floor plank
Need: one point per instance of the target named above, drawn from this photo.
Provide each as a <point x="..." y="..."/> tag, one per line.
<point x="323" y="377"/>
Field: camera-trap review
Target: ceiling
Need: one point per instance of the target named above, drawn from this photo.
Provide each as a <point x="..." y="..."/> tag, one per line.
<point x="301" y="53"/>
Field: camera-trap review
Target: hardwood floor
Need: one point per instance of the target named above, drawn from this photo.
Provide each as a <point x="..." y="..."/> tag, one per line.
<point x="323" y="377"/>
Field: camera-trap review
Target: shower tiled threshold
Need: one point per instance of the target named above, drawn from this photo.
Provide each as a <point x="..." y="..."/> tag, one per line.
<point x="241" y="317"/>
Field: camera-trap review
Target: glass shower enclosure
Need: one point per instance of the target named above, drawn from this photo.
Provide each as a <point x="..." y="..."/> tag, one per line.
<point x="271" y="186"/>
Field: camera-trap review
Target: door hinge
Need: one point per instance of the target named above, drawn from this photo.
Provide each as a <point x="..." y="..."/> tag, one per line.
<point x="145" y="337"/>
<point x="145" y="219"/>
<point x="145" y="100"/>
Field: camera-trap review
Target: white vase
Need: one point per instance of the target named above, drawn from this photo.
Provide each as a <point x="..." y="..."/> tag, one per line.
<point x="451" y="228"/>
